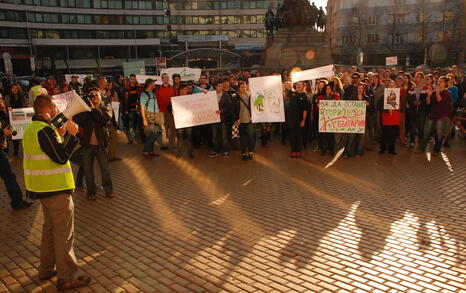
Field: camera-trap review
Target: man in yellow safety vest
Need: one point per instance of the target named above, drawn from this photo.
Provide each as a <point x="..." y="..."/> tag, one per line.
<point x="48" y="177"/>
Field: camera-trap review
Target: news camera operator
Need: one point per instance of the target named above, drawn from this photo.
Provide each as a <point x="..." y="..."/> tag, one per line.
<point x="12" y="187"/>
<point x="48" y="177"/>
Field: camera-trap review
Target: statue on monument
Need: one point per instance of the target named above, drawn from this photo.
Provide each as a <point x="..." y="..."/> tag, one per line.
<point x="296" y="14"/>
<point x="269" y="21"/>
<point x="321" y="19"/>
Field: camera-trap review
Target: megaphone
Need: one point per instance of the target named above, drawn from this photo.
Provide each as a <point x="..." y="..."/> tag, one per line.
<point x="75" y="106"/>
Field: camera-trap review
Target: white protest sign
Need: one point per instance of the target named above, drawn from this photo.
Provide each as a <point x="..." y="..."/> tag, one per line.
<point x="267" y="99"/>
<point x="20" y="119"/>
<point x="342" y="116"/>
<point x="391" y="61"/>
<point x="391" y="99"/>
<point x="311" y="74"/>
<point x="81" y="77"/>
<point x="116" y="110"/>
<point x="141" y="78"/>
<point x="186" y="73"/>
<point x="195" y="109"/>
<point x="62" y="100"/>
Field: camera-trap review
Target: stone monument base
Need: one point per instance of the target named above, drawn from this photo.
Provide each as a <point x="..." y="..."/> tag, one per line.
<point x="287" y="49"/>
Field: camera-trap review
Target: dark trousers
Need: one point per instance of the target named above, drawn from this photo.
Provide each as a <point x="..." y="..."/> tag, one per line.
<point x="221" y="136"/>
<point x="77" y="158"/>
<point x="202" y="134"/>
<point x="285" y="131"/>
<point x="184" y="136"/>
<point x="417" y="125"/>
<point x="12" y="187"/>
<point x="389" y="135"/>
<point x="90" y="153"/>
<point x="16" y="143"/>
<point x="247" y="137"/>
<point x="327" y="142"/>
<point x="296" y="136"/>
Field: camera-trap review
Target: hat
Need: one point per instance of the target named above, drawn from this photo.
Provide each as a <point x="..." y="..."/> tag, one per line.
<point x="74" y="76"/>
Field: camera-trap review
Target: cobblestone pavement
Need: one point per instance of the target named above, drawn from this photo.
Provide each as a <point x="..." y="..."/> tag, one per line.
<point x="379" y="223"/>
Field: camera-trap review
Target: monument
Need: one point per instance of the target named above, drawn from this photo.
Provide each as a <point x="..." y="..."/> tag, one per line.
<point x="296" y="36"/>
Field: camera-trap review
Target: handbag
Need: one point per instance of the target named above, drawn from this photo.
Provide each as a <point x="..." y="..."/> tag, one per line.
<point x="235" y="131"/>
<point x="151" y="117"/>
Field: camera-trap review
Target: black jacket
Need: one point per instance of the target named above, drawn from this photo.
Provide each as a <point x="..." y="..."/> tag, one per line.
<point x="96" y="120"/>
<point x="298" y="103"/>
<point x="226" y="108"/>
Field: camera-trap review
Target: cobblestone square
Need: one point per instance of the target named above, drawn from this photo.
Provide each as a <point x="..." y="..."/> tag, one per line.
<point x="378" y="223"/>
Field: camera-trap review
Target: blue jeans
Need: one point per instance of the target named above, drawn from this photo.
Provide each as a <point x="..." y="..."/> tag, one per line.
<point x="438" y="126"/>
<point x="221" y="136"/>
<point x="151" y="136"/>
<point x="354" y="144"/>
<point x="12" y="187"/>
<point x="89" y="153"/>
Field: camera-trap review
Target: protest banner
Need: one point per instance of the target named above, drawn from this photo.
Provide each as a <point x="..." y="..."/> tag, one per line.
<point x="315" y="73"/>
<point x="195" y="109"/>
<point x="267" y="99"/>
<point x="62" y="100"/>
<point x="389" y="61"/>
<point x="186" y="73"/>
<point x="116" y="110"/>
<point x="141" y="78"/>
<point x="342" y="116"/>
<point x="391" y="99"/>
<point x="137" y="67"/>
<point x="81" y="77"/>
<point x="19" y="120"/>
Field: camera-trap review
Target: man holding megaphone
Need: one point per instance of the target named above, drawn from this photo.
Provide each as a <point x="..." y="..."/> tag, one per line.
<point x="48" y="177"/>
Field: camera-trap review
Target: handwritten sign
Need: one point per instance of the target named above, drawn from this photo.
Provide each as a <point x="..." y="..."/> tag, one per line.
<point x="137" y="67"/>
<point x="141" y="78"/>
<point x="342" y="116"/>
<point x="315" y="73"/>
<point x="62" y="100"/>
<point x="19" y="120"/>
<point x="391" y="99"/>
<point x="186" y="73"/>
<point x="389" y="61"/>
<point x="267" y="99"/>
<point x="195" y="109"/>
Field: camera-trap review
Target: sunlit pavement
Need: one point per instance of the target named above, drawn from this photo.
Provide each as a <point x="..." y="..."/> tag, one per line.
<point x="379" y="223"/>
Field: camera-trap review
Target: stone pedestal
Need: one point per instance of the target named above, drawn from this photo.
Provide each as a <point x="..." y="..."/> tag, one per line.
<point x="287" y="49"/>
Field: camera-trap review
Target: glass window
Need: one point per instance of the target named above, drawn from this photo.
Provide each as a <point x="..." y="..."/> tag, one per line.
<point x="52" y="34"/>
<point x="85" y="35"/>
<point x="39" y="17"/>
<point x="3" y="16"/>
<point x="216" y="19"/>
<point x="96" y="3"/>
<point x="195" y="20"/>
<point x="224" y="19"/>
<point x="188" y="20"/>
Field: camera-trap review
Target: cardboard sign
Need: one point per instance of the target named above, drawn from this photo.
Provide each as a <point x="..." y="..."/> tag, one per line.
<point x="195" y="109"/>
<point x="267" y="99"/>
<point x="161" y="62"/>
<point x="19" y="120"/>
<point x="391" y="99"/>
<point x="62" y="100"/>
<point x="311" y="74"/>
<point x="342" y="116"/>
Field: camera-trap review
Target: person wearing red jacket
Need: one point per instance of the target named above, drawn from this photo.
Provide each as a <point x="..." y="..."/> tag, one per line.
<point x="327" y="140"/>
<point x="390" y="121"/>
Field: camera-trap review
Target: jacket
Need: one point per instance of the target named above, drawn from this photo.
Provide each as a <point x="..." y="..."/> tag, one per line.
<point x="411" y="98"/>
<point x="226" y="108"/>
<point x="96" y="120"/>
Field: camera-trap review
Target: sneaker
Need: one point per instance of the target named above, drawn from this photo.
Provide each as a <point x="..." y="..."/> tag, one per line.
<point x="293" y="155"/>
<point x="226" y="154"/>
<point x="22" y="205"/>
<point x="110" y="195"/>
<point x="213" y="154"/>
<point x="250" y="156"/>
<point x="81" y="281"/>
<point x="245" y="157"/>
<point x="298" y="155"/>
<point x="411" y="144"/>
<point x="393" y="153"/>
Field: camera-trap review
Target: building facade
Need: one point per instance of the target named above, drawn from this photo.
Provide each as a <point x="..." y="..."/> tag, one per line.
<point x="417" y="31"/>
<point x="97" y="35"/>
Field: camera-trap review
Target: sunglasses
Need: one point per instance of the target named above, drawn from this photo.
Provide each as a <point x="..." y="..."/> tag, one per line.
<point x="355" y="77"/>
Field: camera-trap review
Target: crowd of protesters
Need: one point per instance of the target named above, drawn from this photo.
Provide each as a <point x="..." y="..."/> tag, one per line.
<point x="429" y="99"/>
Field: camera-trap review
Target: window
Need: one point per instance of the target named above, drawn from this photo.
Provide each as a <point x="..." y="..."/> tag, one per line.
<point x="372" y="19"/>
<point x="70" y="18"/>
<point x="399" y="2"/>
<point x="419" y="37"/>
<point x="448" y="16"/>
<point x="373" y="38"/>
<point x="421" y="17"/>
<point x="398" y="18"/>
<point x="398" y="38"/>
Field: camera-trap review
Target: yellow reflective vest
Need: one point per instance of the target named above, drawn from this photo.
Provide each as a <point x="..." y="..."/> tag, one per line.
<point x="41" y="174"/>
